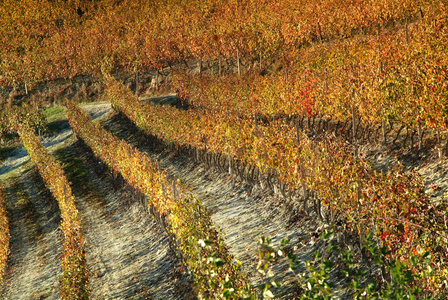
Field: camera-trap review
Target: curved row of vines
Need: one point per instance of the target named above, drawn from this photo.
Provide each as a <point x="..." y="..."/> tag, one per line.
<point x="4" y="234"/>
<point x="392" y="206"/>
<point x="75" y="278"/>
<point x="46" y="40"/>
<point x="203" y="248"/>
<point x="398" y="76"/>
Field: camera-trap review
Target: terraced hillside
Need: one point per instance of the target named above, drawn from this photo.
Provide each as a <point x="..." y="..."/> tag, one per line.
<point x="129" y="255"/>
<point x="130" y="248"/>
<point x="231" y="149"/>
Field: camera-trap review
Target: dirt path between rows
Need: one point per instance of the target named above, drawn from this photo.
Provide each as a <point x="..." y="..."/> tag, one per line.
<point x="34" y="268"/>
<point x="243" y="212"/>
<point x="128" y="253"/>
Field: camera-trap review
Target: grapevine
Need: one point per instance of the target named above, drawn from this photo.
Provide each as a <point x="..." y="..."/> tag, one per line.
<point x="4" y="234"/>
<point x="201" y="244"/>
<point x="74" y="281"/>
<point x="387" y="204"/>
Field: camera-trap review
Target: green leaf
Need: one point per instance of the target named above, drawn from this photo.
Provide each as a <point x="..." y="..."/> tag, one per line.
<point x="228" y="293"/>
<point x="327" y="234"/>
<point x="371" y="286"/>
<point x="378" y="260"/>
<point x="284" y="242"/>
<point x="332" y="248"/>
<point x="218" y="262"/>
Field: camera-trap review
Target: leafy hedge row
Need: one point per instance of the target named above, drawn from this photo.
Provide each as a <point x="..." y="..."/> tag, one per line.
<point x="201" y="244"/>
<point x="395" y="75"/>
<point x="48" y="40"/>
<point x="75" y="278"/>
<point x="4" y="234"/>
<point x="392" y="205"/>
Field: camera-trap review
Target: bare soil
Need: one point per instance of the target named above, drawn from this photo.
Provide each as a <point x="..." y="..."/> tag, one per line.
<point x="128" y="253"/>
<point x="33" y="268"/>
<point x="243" y="212"/>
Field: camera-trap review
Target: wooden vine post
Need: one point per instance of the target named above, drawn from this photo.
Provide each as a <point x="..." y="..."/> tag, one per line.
<point x="407" y="34"/>
<point x="420" y="136"/>
<point x="255" y="121"/>
<point x="230" y="165"/>
<point x="320" y="32"/>
<point x="136" y="81"/>
<point x="445" y="148"/>
<point x="354" y="132"/>
<point x="302" y="172"/>
<point x="381" y="70"/>
<point x="383" y="126"/>
<point x="238" y="61"/>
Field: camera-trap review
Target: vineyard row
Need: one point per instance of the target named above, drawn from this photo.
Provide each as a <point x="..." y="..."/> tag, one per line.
<point x="74" y="281"/>
<point x="4" y="234"/>
<point x="202" y="247"/>
<point x="392" y="205"/>
<point x="398" y="77"/>
<point x="46" y="40"/>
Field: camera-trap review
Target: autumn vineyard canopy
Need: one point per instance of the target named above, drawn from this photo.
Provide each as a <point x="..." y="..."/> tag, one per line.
<point x="290" y="90"/>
